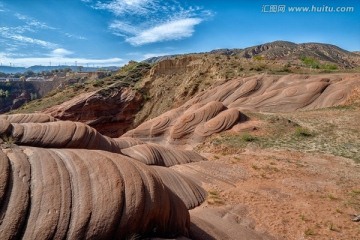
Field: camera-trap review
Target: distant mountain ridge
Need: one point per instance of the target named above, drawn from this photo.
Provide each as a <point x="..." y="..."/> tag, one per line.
<point x="284" y="50"/>
<point x="38" y="68"/>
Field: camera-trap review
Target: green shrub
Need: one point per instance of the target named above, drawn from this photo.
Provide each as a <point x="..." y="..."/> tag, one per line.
<point x="311" y="62"/>
<point x="98" y="83"/>
<point x="258" y="57"/>
<point x="303" y="132"/>
<point x="329" y="67"/>
<point x="248" y="138"/>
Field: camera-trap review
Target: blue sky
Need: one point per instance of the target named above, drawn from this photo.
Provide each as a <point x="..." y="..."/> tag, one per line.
<point x="112" y="32"/>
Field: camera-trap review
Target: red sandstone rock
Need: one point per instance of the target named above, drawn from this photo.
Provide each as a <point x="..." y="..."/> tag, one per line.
<point x="84" y="194"/>
<point x="110" y="111"/>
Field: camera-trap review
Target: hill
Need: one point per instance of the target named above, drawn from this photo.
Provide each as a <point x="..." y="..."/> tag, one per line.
<point x="38" y="69"/>
<point x="288" y="51"/>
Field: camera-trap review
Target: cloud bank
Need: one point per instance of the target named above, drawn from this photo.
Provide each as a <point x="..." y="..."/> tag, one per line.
<point x="142" y="22"/>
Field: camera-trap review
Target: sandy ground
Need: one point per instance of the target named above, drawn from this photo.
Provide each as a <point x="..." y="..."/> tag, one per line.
<point x="270" y="194"/>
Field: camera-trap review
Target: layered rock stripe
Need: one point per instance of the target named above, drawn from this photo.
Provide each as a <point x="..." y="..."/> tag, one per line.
<point x="59" y="188"/>
<point x="87" y="194"/>
<point x="220" y="108"/>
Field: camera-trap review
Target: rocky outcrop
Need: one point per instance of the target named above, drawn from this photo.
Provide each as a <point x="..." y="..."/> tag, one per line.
<point x="179" y="125"/>
<point x="60" y="134"/>
<point x="166" y="66"/>
<point x="75" y="135"/>
<point x="154" y="154"/>
<point x="188" y="191"/>
<point x="219" y="108"/>
<point x="221" y="122"/>
<point x="16" y="93"/>
<point x="54" y="186"/>
<point x="110" y="111"/>
<point x="84" y="194"/>
<point x="28" y="118"/>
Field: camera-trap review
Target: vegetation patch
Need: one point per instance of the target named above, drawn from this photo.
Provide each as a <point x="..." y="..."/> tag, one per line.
<point x="214" y="198"/>
<point x="309" y="232"/>
<point x="287" y="131"/>
<point x="303" y="132"/>
<point x="310" y="62"/>
<point x="246" y="137"/>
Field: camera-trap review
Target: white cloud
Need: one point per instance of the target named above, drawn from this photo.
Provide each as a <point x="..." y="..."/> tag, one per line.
<point x="60" y="52"/>
<point x="142" y="22"/>
<point x="16" y="34"/>
<point x="31" y="22"/>
<point x="122" y="28"/>
<point x="69" y="35"/>
<point x="173" y="30"/>
<point x="120" y="7"/>
<point x="28" y="40"/>
<point x="31" y="61"/>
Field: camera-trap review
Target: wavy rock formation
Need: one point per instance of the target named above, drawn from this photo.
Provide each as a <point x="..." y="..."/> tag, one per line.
<point x="180" y="127"/>
<point x="5" y="127"/>
<point x="219" y="109"/>
<point x="27" y="118"/>
<point x="155" y="127"/>
<point x="187" y="123"/>
<point x="186" y="189"/>
<point x="154" y="154"/>
<point x="59" y="188"/>
<point x="84" y="194"/>
<point x="221" y="122"/>
<point x="60" y="134"/>
<point x="125" y="142"/>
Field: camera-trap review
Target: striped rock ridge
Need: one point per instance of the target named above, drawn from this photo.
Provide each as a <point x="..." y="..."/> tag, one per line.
<point x="221" y="122"/>
<point x="220" y="108"/>
<point x="185" y="188"/>
<point x="89" y="194"/>
<point x="27" y="118"/>
<point x="154" y="154"/>
<point x="67" y="134"/>
<point x="51" y="176"/>
<point x="156" y="127"/>
<point x="59" y="134"/>
<point x="188" y="124"/>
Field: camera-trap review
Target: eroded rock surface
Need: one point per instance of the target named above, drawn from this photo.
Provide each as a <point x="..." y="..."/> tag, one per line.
<point x="28" y="118"/>
<point x="110" y="111"/>
<point x="54" y="186"/>
<point x="154" y="154"/>
<point x="84" y="194"/>
<point x="220" y="108"/>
